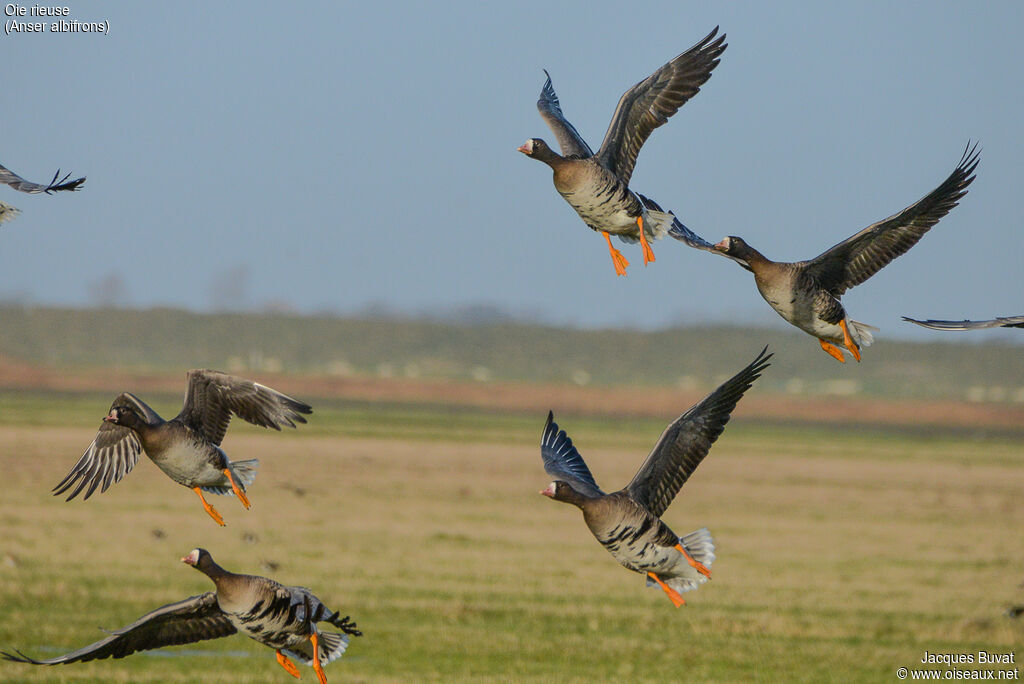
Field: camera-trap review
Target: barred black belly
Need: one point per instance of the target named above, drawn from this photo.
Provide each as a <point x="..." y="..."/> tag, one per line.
<point x="609" y="207"/>
<point x="274" y="623"/>
<point x="628" y="545"/>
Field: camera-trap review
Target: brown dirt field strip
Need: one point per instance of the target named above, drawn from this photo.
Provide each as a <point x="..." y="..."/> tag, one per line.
<point x="647" y="402"/>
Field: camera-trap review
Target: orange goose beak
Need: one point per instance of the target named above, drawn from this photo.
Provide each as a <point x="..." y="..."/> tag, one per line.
<point x="526" y="147"/>
<point x="723" y="245"/>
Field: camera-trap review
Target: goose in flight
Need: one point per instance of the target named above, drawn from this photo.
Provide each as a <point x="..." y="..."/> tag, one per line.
<point x="628" y="522"/>
<point x="597" y="185"/>
<point x="283" y="618"/>
<point x="187" y="447"/>
<point x="807" y="293"/>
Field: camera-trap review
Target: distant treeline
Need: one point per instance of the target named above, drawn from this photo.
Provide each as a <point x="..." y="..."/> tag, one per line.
<point x="954" y="366"/>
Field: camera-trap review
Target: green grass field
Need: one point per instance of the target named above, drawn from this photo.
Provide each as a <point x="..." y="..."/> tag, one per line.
<point x="842" y="555"/>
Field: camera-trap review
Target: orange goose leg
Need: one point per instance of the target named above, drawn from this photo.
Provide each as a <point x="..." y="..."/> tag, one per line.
<point x="673" y="595"/>
<point x="848" y="341"/>
<point x="209" y="509"/>
<point x="317" y="667"/>
<point x="288" y="665"/>
<point x="648" y="252"/>
<point x="618" y="261"/>
<point x="236" y="489"/>
<point x="697" y="565"/>
<point x="832" y="350"/>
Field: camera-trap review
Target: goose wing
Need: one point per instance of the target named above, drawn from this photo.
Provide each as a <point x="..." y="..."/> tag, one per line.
<point x="113" y="453"/>
<point x="860" y="256"/>
<point x="652" y="101"/>
<point x="563" y="462"/>
<point x="1001" y="322"/>
<point x="56" y="184"/>
<point x="571" y="142"/>
<point x="686" y="442"/>
<point x="213" y="397"/>
<point x="194" y="619"/>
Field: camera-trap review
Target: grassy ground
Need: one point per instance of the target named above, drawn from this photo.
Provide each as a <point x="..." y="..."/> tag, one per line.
<point x="841" y="555"/>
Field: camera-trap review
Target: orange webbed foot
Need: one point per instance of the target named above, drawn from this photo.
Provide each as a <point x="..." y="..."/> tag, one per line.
<point x="317" y="667"/>
<point x="848" y="341"/>
<point x="618" y="261"/>
<point x="696" y="564"/>
<point x="236" y="489"/>
<point x="648" y="252"/>
<point x="288" y="665"/>
<point x="210" y="510"/>
<point x="673" y="595"/>
<point x="832" y="350"/>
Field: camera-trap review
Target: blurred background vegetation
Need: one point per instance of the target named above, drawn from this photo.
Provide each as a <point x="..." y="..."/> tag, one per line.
<point x="953" y="367"/>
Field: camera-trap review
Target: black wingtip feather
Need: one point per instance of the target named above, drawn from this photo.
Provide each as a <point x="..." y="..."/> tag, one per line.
<point x="738" y="385"/>
<point x="688" y="440"/>
<point x="552" y="434"/>
<point x="62" y="485"/>
<point x="753" y="371"/>
<point x="67" y="483"/>
<point x="345" y="624"/>
<point x="20" y="658"/>
<point x="762" y="360"/>
<point x="63" y="185"/>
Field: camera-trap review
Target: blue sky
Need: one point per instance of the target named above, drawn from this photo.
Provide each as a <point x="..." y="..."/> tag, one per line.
<point x="333" y="156"/>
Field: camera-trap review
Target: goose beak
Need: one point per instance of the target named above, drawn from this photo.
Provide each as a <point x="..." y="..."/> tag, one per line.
<point x="526" y="147"/>
<point x="110" y="418"/>
<point x="549" y="492"/>
<point x="723" y="246"/>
